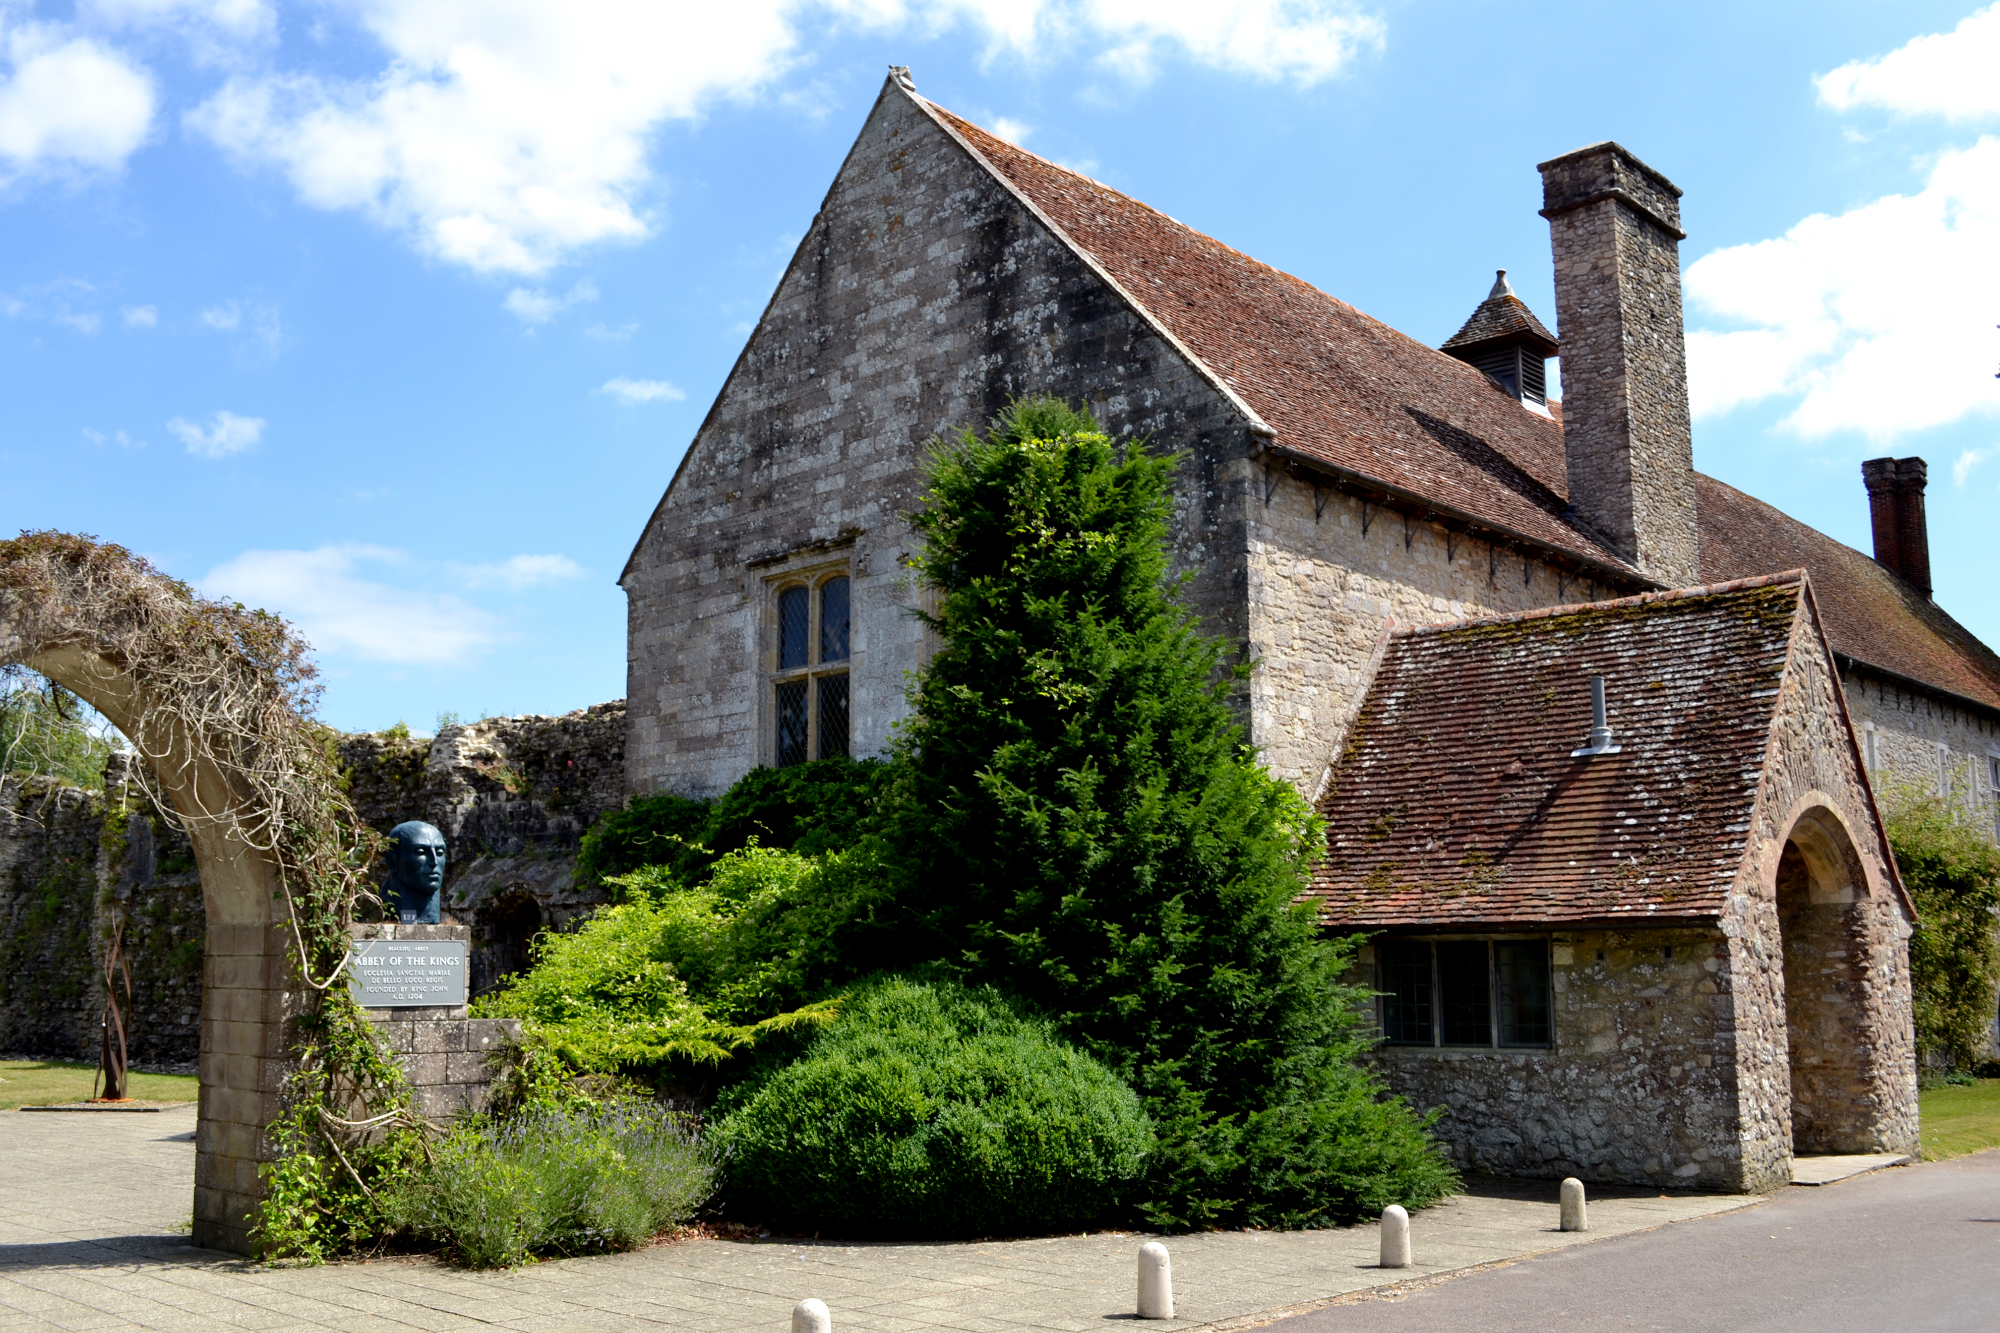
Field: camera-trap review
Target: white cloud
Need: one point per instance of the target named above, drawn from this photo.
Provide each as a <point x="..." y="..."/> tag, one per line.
<point x="610" y="333"/>
<point x="230" y="434"/>
<point x="338" y="610"/>
<point x="240" y="20"/>
<point x="1952" y="74"/>
<point x="520" y="571"/>
<point x="633" y="392"/>
<point x="70" y="103"/>
<point x="262" y="330"/>
<point x="141" y="316"/>
<point x="1967" y="461"/>
<point x="508" y="135"/>
<point x="119" y="438"/>
<point x="539" y="307"/>
<point x="1879" y="320"/>
<point x="81" y="323"/>
<point x="1013" y="131"/>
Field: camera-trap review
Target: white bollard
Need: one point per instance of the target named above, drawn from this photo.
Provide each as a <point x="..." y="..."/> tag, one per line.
<point x="1156" y="1282"/>
<point x="1574" y="1215"/>
<point x="810" y="1316"/>
<point x="1395" y="1237"/>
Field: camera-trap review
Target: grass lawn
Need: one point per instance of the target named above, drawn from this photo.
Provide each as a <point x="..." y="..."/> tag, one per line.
<point x="1957" y="1121"/>
<point x="42" y="1082"/>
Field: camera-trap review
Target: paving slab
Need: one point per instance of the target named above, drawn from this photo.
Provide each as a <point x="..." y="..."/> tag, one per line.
<point x="1828" y="1168"/>
<point x="94" y="1210"/>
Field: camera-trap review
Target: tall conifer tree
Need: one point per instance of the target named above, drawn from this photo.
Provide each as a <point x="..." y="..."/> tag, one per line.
<point x="1079" y="820"/>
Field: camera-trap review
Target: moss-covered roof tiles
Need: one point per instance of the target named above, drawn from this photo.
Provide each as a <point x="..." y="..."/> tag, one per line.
<point x="1456" y="801"/>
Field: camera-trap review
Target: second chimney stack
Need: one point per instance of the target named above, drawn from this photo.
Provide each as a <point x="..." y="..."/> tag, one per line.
<point x="1896" y="508"/>
<point x="1615" y="224"/>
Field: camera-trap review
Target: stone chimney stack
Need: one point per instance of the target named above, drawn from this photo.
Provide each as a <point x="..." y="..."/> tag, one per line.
<point x="1615" y="224"/>
<point x="1896" y="504"/>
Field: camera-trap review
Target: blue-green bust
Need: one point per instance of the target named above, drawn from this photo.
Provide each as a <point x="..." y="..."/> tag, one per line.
<point x="416" y="872"/>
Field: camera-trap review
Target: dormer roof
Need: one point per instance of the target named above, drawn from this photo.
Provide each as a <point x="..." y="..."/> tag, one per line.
<point x="1502" y="319"/>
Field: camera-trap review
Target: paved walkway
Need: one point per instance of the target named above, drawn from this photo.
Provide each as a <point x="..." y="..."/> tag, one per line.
<point x="93" y="1211"/>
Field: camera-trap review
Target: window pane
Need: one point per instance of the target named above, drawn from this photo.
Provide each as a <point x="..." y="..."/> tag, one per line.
<point x="794" y="627"/>
<point x="833" y="717"/>
<point x="791" y="723"/>
<point x="1464" y="994"/>
<point x="1406" y="997"/>
<point x="833" y="621"/>
<point x="1523" y="968"/>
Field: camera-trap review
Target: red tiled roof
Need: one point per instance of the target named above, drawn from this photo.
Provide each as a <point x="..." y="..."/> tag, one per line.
<point x="1455" y="801"/>
<point x="1869" y="613"/>
<point x="1348" y="392"/>
<point x="1340" y="389"/>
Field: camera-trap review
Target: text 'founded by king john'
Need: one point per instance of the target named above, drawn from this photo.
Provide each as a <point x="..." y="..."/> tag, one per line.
<point x="393" y="974"/>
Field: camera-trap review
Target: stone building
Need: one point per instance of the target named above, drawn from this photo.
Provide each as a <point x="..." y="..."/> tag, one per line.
<point x="1339" y="481"/>
<point x="1660" y="940"/>
<point x="1338" y="475"/>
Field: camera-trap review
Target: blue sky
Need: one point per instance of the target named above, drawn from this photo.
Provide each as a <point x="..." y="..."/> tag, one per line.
<point x="395" y="316"/>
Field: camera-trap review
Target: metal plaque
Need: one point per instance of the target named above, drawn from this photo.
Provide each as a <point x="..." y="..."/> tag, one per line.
<point x="404" y="974"/>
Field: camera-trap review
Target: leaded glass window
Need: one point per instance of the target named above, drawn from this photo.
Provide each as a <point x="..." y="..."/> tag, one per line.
<point x="810" y="692"/>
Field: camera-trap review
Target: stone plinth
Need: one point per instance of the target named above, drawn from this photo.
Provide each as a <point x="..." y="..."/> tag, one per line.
<point x="447" y="1056"/>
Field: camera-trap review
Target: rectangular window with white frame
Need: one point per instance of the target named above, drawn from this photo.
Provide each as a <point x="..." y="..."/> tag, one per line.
<point x="809" y="693"/>
<point x="1493" y="993"/>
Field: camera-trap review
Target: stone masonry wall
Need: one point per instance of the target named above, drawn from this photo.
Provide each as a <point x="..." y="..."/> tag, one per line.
<point x="1856" y="1049"/>
<point x="924" y="296"/>
<point x="513" y="797"/>
<point x="69" y="872"/>
<point x="1637" y="1088"/>
<point x="1321" y="589"/>
<point x="1919" y="741"/>
<point x="1614" y="226"/>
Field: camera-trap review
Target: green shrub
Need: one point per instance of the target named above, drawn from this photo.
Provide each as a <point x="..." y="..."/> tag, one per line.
<point x="679" y="975"/>
<point x="931" y="1110"/>
<point x="555" y="1182"/>
<point x="1953" y="874"/>
<point x="1075" y="816"/>
<point x="811" y="808"/>
<point x="661" y="830"/>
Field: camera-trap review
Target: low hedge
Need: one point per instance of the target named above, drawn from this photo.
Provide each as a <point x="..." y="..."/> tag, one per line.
<point x="930" y="1110"/>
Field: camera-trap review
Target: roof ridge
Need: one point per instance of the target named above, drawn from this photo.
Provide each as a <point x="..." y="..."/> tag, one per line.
<point x="1614" y="603"/>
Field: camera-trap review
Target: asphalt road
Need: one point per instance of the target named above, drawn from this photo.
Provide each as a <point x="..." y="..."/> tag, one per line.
<point x="1902" y="1250"/>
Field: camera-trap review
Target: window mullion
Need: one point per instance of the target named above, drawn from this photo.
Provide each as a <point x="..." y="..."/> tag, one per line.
<point x="1437" y="999"/>
<point x="1493" y="994"/>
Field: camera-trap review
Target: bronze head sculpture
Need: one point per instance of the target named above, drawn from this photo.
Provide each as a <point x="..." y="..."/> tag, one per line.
<point x="416" y="872"/>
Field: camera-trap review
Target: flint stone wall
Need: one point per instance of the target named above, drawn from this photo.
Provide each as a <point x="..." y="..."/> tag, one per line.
<point x="1639" y="1086"/>
<point x="512" y="795"/>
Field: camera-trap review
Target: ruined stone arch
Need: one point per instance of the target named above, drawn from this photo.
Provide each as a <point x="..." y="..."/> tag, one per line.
<point x="84" y="615"/>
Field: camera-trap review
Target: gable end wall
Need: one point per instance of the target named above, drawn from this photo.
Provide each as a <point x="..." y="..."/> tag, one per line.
<point x="1811" y="761"/>
<point x="924" y="296"/>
